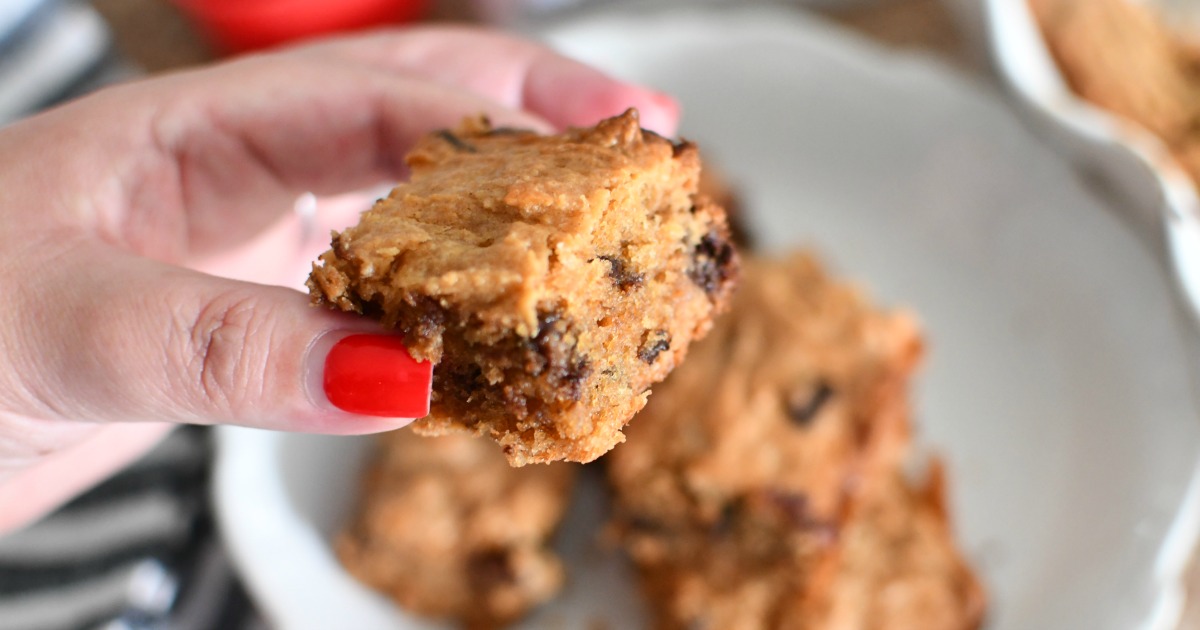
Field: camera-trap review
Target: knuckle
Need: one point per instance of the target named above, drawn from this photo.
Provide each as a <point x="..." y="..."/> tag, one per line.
<point x="223" y="361"/>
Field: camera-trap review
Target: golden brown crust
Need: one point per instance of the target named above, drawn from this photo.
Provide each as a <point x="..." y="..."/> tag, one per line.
<point x="447" y="529"/>
<point x="552" y="278"/>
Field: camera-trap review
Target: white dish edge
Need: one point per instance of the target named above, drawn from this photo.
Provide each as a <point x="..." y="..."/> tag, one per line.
<point x="1160" y="196"/>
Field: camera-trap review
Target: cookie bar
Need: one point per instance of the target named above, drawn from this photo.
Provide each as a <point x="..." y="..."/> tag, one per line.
<point x="552" y="279"/>
<point x="1123" y="57"/>
<point x="735" y="488"/>
<point x="895" y="567"/>
<point x="448" y="530"/>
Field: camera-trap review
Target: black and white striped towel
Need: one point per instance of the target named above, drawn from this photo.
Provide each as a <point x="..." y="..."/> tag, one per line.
<point x="136" y="552"/>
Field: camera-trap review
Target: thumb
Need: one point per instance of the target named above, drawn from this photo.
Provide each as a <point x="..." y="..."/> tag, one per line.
<point x="123" y="338"/>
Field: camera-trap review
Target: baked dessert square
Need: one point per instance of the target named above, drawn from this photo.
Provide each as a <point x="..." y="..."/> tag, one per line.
<point x="736" y="489"/>
<point x="447" y="529"/>
<point x="551" y="279"/>
<point x="895" y="567"/>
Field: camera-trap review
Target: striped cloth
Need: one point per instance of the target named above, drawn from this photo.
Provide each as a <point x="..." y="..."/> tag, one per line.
<point x="139" y="551"/>
<point x="136" y="552"/>
<point x="52" y="50"/>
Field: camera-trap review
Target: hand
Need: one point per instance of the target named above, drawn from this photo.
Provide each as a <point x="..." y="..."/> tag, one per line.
<point x="114" y="205"/>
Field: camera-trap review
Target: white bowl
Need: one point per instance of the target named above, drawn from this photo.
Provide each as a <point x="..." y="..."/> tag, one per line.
<point x="1057" y="384"/>
<point x="1150" y="187"/>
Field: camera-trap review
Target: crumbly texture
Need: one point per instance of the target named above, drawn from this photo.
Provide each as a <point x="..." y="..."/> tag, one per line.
<point x="740" y="482"/>
<point x="895" y="567"/>
<point x="552" y="279"/>
<point x="1123" y="57"/>
<point x="447" y="529"/>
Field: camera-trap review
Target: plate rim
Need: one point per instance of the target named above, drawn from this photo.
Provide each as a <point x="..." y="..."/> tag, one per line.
<point x="1024" y="64"/>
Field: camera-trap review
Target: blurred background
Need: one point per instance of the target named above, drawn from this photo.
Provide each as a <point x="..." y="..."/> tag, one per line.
<point x="55" y="49"/>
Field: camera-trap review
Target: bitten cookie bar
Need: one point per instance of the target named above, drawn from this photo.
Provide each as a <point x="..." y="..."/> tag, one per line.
<point x="735" y="489"/>
<point x="552" y="279"/>
<point x="447" y="529"/>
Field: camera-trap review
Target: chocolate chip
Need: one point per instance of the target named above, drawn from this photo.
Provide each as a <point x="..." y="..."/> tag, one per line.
<point x="793" y="506"/>
<point x="458" y="381"/>
<point x="509" y="131"/>
<point x="551" y="354"/>
<point x="804" y="405"/>
<point x="428" y="319"/>
<point x="373" y="308"/>
<point x="546" y="322"/>
<point x="712" y="262"/>
<point x="456" y="142"/>
<point x="621" y="275"/>
<point x="548" y="344"/>
<point x="725" y="522"/>
<point x="571" y="379"/>
<point x="653" y="344"/>
<point x="488" y="569"/>
<point x="642" y="524"/>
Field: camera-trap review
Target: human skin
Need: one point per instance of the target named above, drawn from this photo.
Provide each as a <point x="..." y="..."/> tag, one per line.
<point x="147" y="238"/>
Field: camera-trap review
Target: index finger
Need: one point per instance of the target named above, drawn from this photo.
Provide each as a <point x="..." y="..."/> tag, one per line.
<point x="514" y="72"/>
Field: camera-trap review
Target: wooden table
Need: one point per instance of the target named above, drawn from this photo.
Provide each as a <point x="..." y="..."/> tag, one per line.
<point x="154" y="35"/>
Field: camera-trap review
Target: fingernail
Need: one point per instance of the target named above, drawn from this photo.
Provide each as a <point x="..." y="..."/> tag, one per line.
<point x="374" y="375"/>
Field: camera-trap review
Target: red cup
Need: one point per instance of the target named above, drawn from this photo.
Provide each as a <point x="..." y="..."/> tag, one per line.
<point x="241" y="25"/>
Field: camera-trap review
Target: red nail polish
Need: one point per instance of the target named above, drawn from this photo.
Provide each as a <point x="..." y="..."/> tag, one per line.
<point x="374" y="375"/>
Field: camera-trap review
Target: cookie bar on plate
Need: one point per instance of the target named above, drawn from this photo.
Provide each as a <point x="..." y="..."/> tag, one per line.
<point x="447" y="529"/>
<point x="760" y="470"/>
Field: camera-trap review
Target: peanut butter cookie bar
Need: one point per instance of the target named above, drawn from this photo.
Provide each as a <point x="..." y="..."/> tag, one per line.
<point x="895" y="566"/>
<point x="447" y="529"/>
<point x="551" y="279"/>
<point x="743" y="479"/>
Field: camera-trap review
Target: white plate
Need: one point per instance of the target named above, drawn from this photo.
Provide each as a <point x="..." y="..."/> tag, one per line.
<point x="1151" y="188"/>
<point x="1057" y="382"/>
